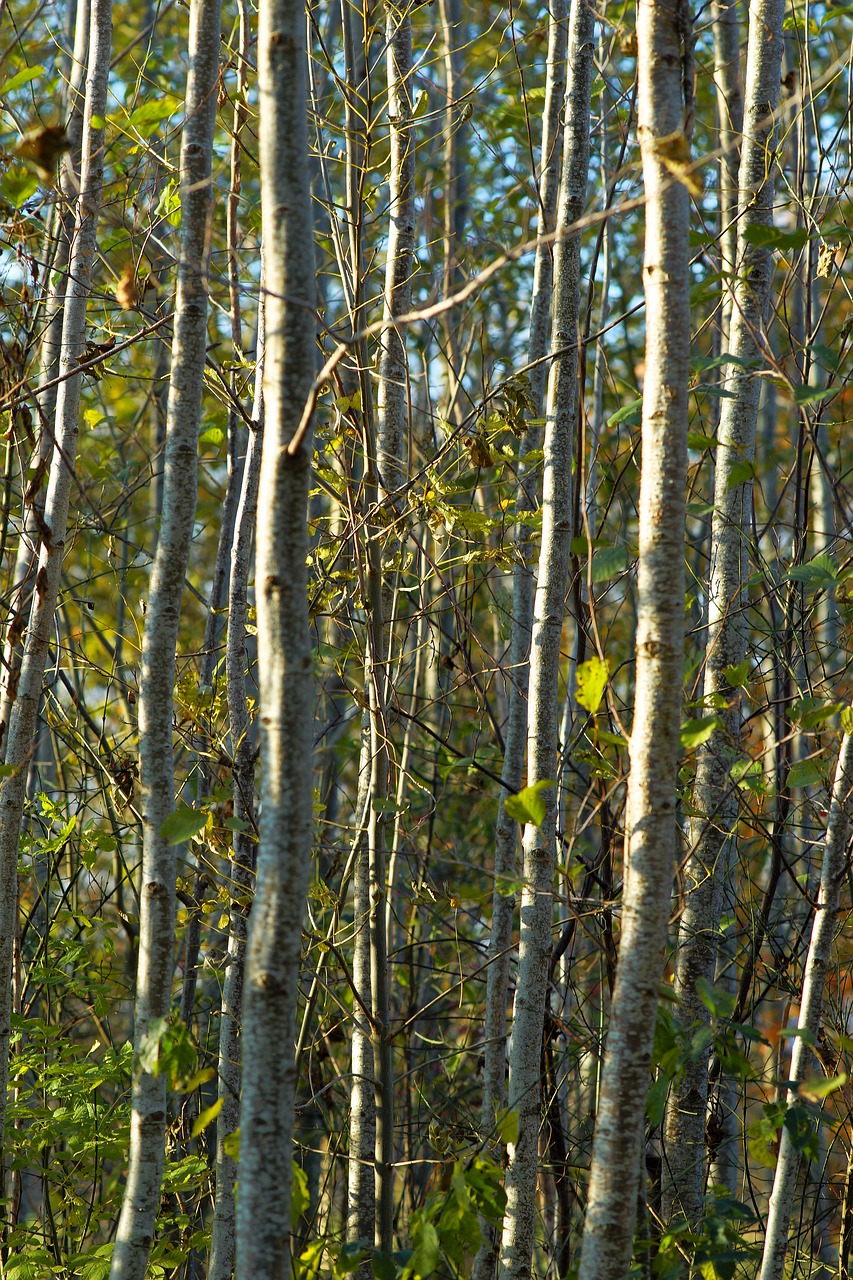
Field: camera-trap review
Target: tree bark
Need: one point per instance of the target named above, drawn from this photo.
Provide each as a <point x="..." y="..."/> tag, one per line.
<point x="512" y="773"/>
<point x="224" y="1236"/>
<point x="833" y="877"/>
<point x="23" y="707"/>
<point x="715" y="797"/>
<point x="141" y="1200"/>
<point x="664" y="100"/>
<point x="284" y="645"/>
<point x="519" y="1223"/>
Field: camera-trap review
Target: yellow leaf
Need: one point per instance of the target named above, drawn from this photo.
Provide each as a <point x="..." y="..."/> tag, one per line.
<point x="592" y="681"/>
<point x="207" y="1117"/>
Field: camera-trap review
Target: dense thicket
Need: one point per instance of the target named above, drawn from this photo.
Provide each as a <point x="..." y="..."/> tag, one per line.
<point x="479" y="254"/>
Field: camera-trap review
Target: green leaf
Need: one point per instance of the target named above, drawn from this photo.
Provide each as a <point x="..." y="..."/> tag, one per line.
<point x="817" y="1090"/>
<point x="740" y="472"/>
<point x="631" y="410"/>
<point x="527" y="805"/>
<point x="737" y="673"/>
<point x="383" y="1266"/>
<point x="818" y="574"/>
<point x="656" y="1100"/>
<point x="507" y="1125"/>
<point x="145" y="118"/>
<point x="350" y="1258"/>
<point x="182" y="825"/>
<point x="300" y="1197"/>
<point x="806" y="395"/>
<point x="695" y="732"/>
<point x="809" y="713"/>
<point x="591" y="683"/>
<point x="847" y="720"/>
<point x="207" y="1117"/>
<point x="212" y="435"/>
<point x="20" y="78"/>
<point x="427" y="1252"/>
<point x="805" y="773"/>
<point x="608" y="563"/>
<point x="761" y="236"/>
<point x="696" y="440"/>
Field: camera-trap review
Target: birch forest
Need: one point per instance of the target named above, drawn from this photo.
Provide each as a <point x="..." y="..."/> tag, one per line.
<point x="426" y="640"/>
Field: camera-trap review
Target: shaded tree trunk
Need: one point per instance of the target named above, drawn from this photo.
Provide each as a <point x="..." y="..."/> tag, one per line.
<point x="53" y="524"/>
<point x="141" y="1200"/>
<point x="518" y="1233"/>
<point x="284" y="644"/>
<point x="716" y="797"/>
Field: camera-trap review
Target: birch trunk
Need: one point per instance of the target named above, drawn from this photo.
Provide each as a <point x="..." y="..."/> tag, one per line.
<point x="664" y="91"/>
<point x="724" y="17"/>
<point x="224" y="1239"/>
<point x="23" y="708"/>
<point x="506" y="829"/>
<point x="390" y="440"/>
<point x="519" y="1223"/>
<point x="141" y="1200"/>
<point x="284" y="645"/>
<point x="715" y="796"/>
<point x="833" y="877"/>
<point x="56" y="270"/>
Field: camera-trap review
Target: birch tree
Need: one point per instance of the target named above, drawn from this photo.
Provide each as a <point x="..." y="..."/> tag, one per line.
<point x="224" y="1237"/>
<point x="156" y="754"/>
<point x="833" y="874"/>
<point x="665" y="86"/>
<point x="548" y="610"/>
<point x="715" y="796"/>
<point x="286" y="682"/>
<point x="23" y="708"/>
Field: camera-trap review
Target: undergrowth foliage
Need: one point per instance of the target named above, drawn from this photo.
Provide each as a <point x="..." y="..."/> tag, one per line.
<point x="438" y="551"/>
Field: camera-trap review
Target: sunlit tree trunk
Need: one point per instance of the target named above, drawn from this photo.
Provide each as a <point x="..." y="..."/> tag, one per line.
<point x="284" y="644"/>
<point x="833" y="877"/>
<point x="393" y="418"/>
<point x="58" y="249"/>
<point x="724" y="17"/>
<point x="53" y="524"/>
<point x="506" y="828"/>
<point x="519" y="1224"/>
<point x="665" y="75"/>
<point x="715" y="795"/>
<point x="156" y="760"/>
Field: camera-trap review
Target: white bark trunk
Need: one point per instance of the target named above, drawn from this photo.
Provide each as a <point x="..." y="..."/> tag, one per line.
<point x="23" y="710"/>
<point x="833" y="877"/>
<point x="518" y="1233"/>
<point x="284" y="644"/>
<point x="665" y="81"/>
<point x="141" y="1200"/>
<point x="512" y="774"/>
<point x="715" y="796"/>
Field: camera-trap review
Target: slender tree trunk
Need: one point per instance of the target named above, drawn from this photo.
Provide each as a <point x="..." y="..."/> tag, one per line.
<point x="393" y="420"/>
<point x="518" y="1234"/>
<point x="665" y="72"/>
<point x="715" y="795"/>
<point x="833" y="878"/>
<point x="224" y="1238"/>
<point x="284" y="644"/>
<point x="506" y="828"/>
<point x="53" y="525"/>
<point x="141" y="1200"/>
<point x="724" y="17"/>
<point x="58" y="250"/>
